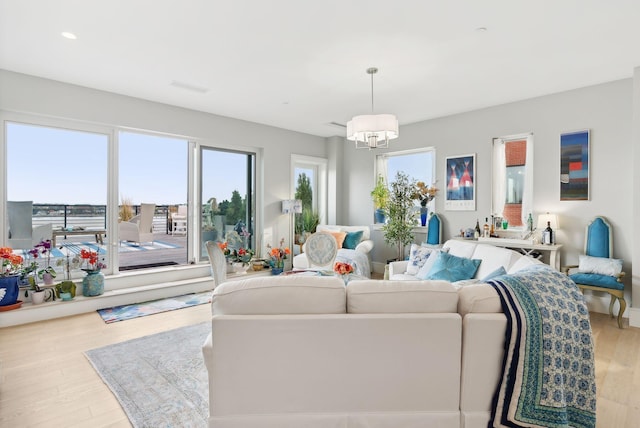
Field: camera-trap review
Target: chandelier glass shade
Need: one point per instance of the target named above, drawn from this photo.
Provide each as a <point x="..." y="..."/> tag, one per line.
<point x="372" y="131"/>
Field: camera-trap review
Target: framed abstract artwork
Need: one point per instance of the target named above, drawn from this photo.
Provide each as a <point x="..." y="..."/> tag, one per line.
<point x="574" y="166"/>
<point x="460" y="179"/>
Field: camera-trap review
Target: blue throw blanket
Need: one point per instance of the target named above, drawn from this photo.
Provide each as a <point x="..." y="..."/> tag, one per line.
<point x="548" y="375"/>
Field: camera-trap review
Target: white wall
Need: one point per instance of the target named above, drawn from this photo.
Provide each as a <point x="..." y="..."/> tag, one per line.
<point x="605" y="109"/>
<point x="32" y="95"/>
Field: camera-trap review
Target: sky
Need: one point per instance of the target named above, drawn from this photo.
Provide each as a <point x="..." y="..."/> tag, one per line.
<point x="60" y="166"/>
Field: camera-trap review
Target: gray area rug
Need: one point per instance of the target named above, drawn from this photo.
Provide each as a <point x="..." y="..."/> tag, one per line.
<point x="159" y="380"/>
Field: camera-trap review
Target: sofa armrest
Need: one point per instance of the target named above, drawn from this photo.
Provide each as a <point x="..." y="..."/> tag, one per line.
<point x="365" y="246"/>
<point x="396" y="268"/>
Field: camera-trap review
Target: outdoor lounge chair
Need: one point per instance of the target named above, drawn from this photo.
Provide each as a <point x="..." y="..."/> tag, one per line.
<point x="140" y="228"/>
<point x="22" y="235"/>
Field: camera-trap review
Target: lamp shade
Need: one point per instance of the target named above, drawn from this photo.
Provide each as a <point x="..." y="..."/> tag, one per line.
<point x="551" y="218"/>
<point x="372" y="130"/>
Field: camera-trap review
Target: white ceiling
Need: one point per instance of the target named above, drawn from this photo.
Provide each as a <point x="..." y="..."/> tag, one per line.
<point x="299" y="65"/>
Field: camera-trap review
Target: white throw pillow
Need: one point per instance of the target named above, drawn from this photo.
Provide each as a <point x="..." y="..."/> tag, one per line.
<point x="418" y="256"/>
<point x="600" y="265"/>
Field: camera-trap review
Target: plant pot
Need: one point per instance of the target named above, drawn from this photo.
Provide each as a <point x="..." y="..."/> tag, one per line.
<point x="379" y="216"/>
<point x="10" y="286"/>
<point x="47" y="278"/>
<point x="38" y="297"/>
<point x="240" y="268"/>
<point x="93" y="284"/>
<point x="66" y="287"/>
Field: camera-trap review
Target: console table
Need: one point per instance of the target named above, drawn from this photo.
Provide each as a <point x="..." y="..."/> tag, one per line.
<point x="527" y="249"/>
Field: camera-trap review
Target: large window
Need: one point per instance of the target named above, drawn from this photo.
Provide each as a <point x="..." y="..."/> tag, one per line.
<point x="153" y="170"/>
<point x="63" y="174"/>
<point x="228" y="198"/>
<point x="309" y="181"/>
<point x="417" y="164"/>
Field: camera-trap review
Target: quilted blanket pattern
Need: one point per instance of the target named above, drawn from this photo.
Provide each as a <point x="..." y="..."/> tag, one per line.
<point x="548" y="375"/>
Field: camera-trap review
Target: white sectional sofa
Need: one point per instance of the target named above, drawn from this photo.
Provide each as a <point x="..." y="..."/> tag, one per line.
<point x="492" y="259"/>
<point x="300" y="351"/>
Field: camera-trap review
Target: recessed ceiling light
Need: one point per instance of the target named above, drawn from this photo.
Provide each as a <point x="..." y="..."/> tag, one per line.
<point x="68" y="35"/>
<point x="481" y="29"/>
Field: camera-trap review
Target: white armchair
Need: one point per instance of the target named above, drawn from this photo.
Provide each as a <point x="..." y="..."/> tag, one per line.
<point x="22" y="235"/>
<point x="140" y="228"/>
<point x="356" y="255"/>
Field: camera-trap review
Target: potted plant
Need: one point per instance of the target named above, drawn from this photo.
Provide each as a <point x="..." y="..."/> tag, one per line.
<point x="380" y="196"/>
<point x="209" y="232"/>
<point x="47" y="273"/>
<point x="398" y="230"/>
<point x="424" y="194"/>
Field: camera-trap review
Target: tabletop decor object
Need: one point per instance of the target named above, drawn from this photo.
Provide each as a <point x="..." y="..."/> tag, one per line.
<point x="93" y="282"/>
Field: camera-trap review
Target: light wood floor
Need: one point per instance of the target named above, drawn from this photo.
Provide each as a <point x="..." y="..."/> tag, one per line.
<point x="46" y="381"/>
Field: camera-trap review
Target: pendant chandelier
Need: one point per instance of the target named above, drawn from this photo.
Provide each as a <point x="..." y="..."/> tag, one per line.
<point x="372" y="131"/>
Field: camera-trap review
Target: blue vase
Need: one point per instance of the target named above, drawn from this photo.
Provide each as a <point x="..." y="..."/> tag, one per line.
<point x="93" y="284"/>
<point x="424" y="212"/>
<point x="379" y="216"/>
<point x="276" y="271"/>
<point x="9" y="290"/>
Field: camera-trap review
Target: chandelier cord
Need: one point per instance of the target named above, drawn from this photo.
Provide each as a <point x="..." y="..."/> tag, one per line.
<point x="372" y="92"/>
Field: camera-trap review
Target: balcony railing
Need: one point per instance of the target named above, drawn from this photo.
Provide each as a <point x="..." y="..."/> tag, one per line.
<point x="92" y="216"/>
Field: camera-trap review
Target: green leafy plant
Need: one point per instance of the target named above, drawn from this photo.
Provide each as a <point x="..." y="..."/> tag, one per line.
<point x="380" y="194"/>
<point x="401" y="213"/>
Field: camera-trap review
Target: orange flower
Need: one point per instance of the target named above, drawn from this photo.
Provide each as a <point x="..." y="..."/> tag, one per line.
<point x="342" y="268"/>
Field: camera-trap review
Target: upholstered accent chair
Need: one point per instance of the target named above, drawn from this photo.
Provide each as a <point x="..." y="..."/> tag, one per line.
<point x="22" y="235"/>
<point x="140" y="228"/>
<point x="321" y="249"/>
<point x="218" y="263"/>
<point x="598" y="270"/>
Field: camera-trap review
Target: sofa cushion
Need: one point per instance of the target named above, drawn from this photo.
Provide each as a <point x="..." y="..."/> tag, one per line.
<point x="460" y="248"/>
<point x="339" y="236"/>
<point x="418" y="255"/>
<point x="293" y="294"/>
<point x="426" y="267"/>
<point x="498" y="272"/>
<point x="478" y="298"/>
<point x="600" y="265"/>
<point x="452" y="268"/>
<point x="492" y="258"/>
<point x="352" y="240"/>
<point x="523" y="262"/>
<point x="374" y="297"/>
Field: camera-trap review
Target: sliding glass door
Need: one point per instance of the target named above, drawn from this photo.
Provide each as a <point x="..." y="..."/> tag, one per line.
<point x="153" y="171"/>
<point x="228" y="198"/>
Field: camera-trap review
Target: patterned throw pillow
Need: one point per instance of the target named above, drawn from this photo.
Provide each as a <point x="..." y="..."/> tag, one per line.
<point x="418" y="256"/>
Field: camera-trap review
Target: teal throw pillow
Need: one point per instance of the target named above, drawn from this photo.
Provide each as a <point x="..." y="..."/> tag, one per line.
<point x="496" y="273"/>
<point x="453" y="268"/>
<point x="352" y="240"/>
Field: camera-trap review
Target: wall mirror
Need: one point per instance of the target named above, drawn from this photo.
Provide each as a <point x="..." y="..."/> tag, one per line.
<point x="512" y="181"/>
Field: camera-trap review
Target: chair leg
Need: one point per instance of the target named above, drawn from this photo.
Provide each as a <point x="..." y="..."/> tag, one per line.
<point x="623" y="306"/>
<point x="613" y="300"/>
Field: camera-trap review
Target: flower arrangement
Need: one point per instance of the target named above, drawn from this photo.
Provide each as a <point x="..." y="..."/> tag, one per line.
<point x="277" y="255"/>
<point x="12" y="264"/>
<point x="424" y="193"/>
<point x="92" y="261"/>
<point x="342" y="268"/>
<point x="44" y="248"/>
<point x="241" y="255"/>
